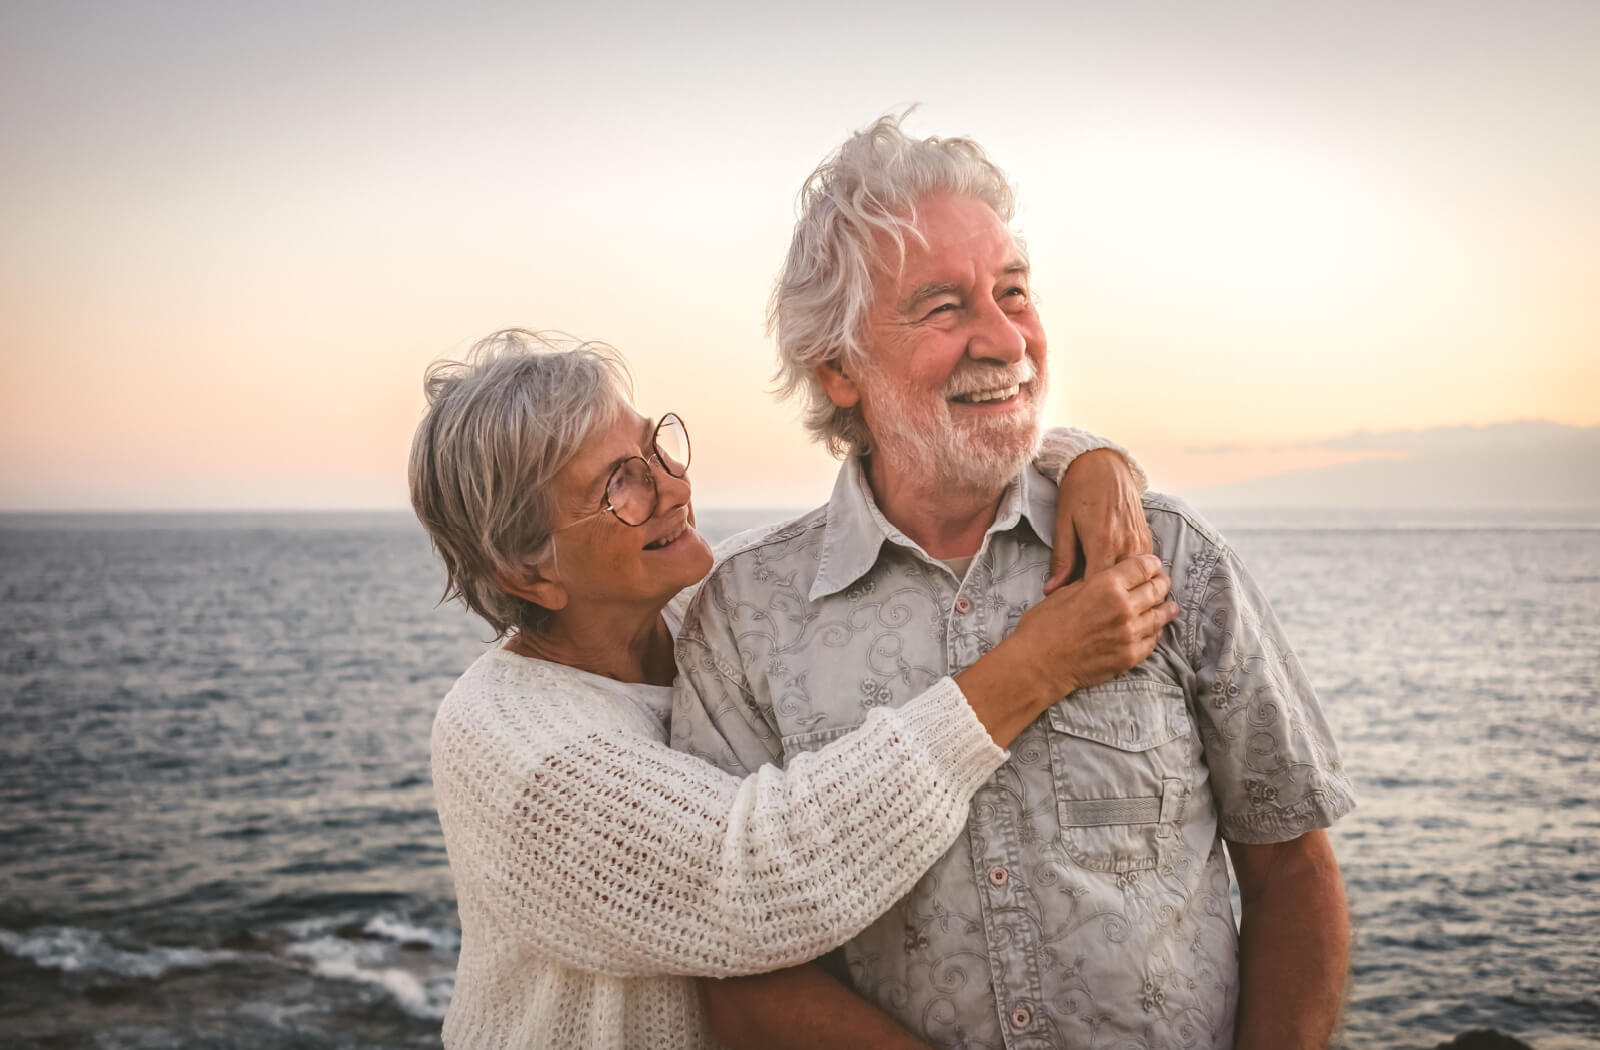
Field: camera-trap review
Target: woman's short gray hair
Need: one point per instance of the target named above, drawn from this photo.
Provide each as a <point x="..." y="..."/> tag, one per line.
<point x="869" y="189"/>
<point x="500" y="426"/>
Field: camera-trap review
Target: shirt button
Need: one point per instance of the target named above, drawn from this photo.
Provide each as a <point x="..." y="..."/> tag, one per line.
<point x="1020" y="1017"/>
<point x="998" y="876"/>
<point x="963" y="604"/>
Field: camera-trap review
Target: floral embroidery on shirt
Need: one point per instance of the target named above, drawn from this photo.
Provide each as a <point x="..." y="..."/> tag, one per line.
<point x="875" y="693"/>
<point x="1154" y="997"/>
<point x="1261" y="792"/>
<point x="1099" y="841"/>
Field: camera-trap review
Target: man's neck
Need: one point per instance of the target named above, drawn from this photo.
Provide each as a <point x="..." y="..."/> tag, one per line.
<point x="945" y="521"/>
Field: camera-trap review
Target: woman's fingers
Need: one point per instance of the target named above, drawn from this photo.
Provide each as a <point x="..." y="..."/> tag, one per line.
<point x="1064" y="555"/>
<point x="1151" y="592"/>
<point x="1157" y="618"/>
<point x="1136" y="571"/>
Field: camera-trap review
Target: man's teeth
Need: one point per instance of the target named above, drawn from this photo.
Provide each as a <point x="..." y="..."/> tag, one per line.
<point x="980" y="396"/>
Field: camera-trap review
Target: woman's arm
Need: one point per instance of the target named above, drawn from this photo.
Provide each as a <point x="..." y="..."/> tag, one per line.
<point x="1098" y="510"/>
<point x="613" y="853"/>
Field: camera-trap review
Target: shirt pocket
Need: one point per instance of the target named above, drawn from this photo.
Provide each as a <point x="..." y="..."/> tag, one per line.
<point x="1120" y="758"/>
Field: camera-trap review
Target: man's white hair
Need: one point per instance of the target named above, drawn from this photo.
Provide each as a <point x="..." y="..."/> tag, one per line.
<point x="866" y="192"/>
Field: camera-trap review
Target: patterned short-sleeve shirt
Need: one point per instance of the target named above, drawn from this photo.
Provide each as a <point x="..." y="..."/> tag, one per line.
<point x="1087" y="902"/>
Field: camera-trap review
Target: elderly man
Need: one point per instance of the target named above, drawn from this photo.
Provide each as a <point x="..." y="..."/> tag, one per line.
<point x="1087" y="903"/>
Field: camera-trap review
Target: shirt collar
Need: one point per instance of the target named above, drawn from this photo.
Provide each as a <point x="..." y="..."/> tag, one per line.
<point x="855" y="529"/>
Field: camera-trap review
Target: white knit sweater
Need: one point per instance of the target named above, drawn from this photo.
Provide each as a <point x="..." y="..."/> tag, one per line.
<point x="590" y="859"/>
<point x="597" y="870"/>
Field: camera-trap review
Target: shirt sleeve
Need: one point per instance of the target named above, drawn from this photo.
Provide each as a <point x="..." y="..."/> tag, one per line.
<point x="613" y="853"/>
<point x="1061" y="445"/>
<point x="715" y="715"/>
<point x="1275" y="769"/>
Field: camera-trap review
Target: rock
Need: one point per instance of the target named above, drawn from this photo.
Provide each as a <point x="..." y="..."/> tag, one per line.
<point x="245" y="941"/>
<point x="1483" y="1039"/>
<point x="355" y="931"/>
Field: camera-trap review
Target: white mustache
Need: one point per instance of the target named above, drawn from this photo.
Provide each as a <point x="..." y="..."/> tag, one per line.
<point x="974" y="378"/>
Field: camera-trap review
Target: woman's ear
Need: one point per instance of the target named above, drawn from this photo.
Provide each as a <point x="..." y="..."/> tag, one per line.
<point x="535" y="583"/>
<point x="839" y="386"/>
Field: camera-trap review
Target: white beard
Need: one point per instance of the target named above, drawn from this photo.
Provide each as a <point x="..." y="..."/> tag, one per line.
<point x="917" y="437"/>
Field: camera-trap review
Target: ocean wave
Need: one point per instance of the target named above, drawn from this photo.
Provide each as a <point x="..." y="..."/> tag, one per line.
<point x="402" y="932"/>
<point x="423" y="997"/>
<point x="73" y="950"/>
<point x="383" y="926"/>
<point x="411" y="965"/>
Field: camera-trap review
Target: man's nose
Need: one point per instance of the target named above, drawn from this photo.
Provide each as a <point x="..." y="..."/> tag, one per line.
<point x="996" y="337"/>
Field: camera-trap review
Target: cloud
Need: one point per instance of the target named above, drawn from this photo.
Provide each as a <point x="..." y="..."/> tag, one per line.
<point x="1215" y="450"/>
<point x="1526" y="464"/>
<point x="1522" y="435"/>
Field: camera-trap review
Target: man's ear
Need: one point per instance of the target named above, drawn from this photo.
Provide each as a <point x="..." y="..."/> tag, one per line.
<point x="535" y="583"/>
<point x="840" y="387"/>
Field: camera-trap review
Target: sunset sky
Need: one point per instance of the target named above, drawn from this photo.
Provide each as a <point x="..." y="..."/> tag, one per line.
<point x="234" y="235"/>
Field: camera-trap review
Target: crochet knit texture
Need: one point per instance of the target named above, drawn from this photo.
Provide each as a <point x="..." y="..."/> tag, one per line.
<point x="596" y="869"/>
<point x="592" y="862"/>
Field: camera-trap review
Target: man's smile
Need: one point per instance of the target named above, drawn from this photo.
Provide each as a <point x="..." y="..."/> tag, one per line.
<point x="980" y="397"/>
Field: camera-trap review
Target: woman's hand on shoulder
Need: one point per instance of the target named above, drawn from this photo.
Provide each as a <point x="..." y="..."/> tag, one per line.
<point x="1100" y="512"/>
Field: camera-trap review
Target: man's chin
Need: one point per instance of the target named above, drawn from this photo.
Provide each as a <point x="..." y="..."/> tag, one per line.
<point x="987" y="461"/>
<point x="981" y="453"/>
<point x="1009" y="440"/>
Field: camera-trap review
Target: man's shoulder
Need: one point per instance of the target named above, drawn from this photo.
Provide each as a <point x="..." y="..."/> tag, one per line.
<point x="743" y="556"/>
<point x="778" y="534"/>
<point x="1191" y="550"/>
<point x="786" y="553"/>
<point x="1172" y="517"/>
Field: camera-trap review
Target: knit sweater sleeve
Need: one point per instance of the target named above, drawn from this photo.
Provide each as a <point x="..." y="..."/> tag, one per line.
<point x="1059" y="446"/>
<point x="607" y="851"/>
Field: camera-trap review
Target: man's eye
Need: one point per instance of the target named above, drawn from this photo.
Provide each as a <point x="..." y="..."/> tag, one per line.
<point x="942" y="308"/>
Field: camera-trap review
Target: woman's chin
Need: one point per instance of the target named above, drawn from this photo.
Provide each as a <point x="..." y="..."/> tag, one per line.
<point x="699" y="553"/>
<point x="685" y="561"/>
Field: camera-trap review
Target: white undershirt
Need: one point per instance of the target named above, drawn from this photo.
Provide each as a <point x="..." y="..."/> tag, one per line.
<point x="959" y="566"/>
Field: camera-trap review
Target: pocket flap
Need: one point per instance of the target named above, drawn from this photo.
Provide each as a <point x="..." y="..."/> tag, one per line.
<point x="1131" y="714"/>
<point x="797" y="743"/>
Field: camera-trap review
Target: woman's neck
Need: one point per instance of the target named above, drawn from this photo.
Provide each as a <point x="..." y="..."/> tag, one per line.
<point x="626" y="648"/>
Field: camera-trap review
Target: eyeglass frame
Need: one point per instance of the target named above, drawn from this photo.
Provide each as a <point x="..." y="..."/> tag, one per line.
<point x="655" y="454"/>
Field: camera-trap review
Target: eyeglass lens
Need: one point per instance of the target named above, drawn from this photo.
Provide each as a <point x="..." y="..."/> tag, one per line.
<point x="631" y="492"/>
<point x="672" y="444"/>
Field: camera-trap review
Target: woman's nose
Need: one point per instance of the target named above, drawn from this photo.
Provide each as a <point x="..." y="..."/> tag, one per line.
<point x="671" y="490"/>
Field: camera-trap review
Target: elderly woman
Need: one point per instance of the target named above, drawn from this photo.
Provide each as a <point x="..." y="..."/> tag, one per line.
<point x="596" y="869"/>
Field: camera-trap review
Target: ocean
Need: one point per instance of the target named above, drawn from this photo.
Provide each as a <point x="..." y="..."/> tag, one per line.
<point x="217" y="830"/>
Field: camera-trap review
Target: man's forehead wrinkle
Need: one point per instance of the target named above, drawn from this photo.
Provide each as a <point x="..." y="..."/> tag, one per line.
<point x="928" y="291"/>
<point x="936" y="288"/>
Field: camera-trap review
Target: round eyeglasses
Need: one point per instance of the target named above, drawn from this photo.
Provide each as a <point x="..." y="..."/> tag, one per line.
<point x="631" y="489"/>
